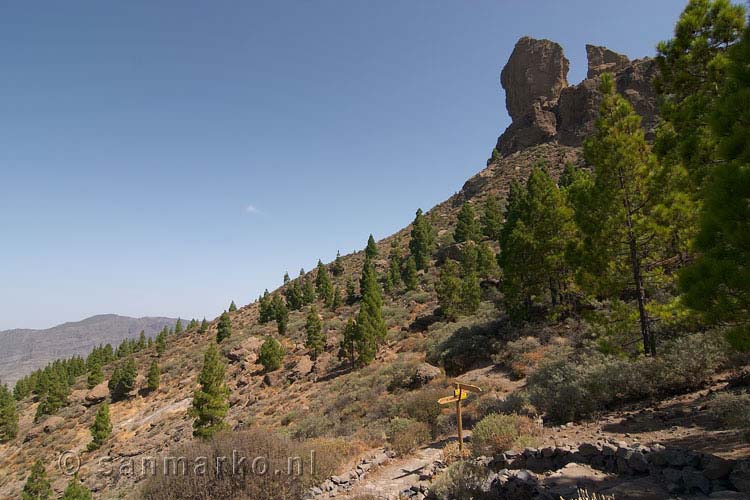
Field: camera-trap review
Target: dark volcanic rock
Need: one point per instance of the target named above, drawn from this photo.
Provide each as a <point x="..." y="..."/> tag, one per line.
<point x="545" y="109"/>
<point x="536" y="71"/>
<point x="602" y="60"/>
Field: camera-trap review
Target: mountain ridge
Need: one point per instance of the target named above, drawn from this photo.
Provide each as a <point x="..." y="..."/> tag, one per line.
<point x="23" y="350"/>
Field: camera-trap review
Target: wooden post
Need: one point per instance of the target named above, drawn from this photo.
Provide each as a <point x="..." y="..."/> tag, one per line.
<point x="460" y="392"/>
<point x="460" y="423"/>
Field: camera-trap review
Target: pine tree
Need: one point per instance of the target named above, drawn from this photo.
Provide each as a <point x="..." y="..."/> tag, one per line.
<point x="370" y="323"/>
<point x="281" y="314"/>
<point x="449" y="289"/>
<point x="487" y="266"/>
<point x="394" y="264"/>
<point x="53" y="391"/>
<point x="338" y="266"/>
<point x="718" y="282"/>
<point x="266" y="312"/>
<point x="351" y="292"/>
<point x="286" y="278"/>
<point x="271" y="354"/>
<point x="411" y="279"/>
<point x="348" y="342"/>
<point x="323" y="284"/>
<point x="122" y="381"/>
<point x="210" y="401"/>
<point x="154" y="374"/>
<point x="692" y="68"/>
<point x="178" y="327"/>
<point x="467" y="226"/>
<point x="141" y="345"/>
<point x="223" y="328"/>
<point x="293" y="294"/>
<point x="76" y="490"/>
<point x="161" y="342"/>
<point x="95" y="376"/>
<point x="492" y="218"/>
<point x="371" y="250"/>
<point x="533" y="243"/>
<point x="338" y="300"/>
<point x="471" y="291"/>
<point x="37" y="486"/>
<point x="422" y="241"/>
<point x="102" y="427"/>
<point x="8" y="415"/>
<point x="316" y="340"/>
<point x="308" y="291"/>
<point x="232" y="307"/>
<point x="204" y="326"/>
<point x="614" y="209"/>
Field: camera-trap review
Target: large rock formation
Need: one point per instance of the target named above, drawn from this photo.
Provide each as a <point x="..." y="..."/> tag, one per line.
<point x="545" y="109"/>
<point x="536" y="71"/>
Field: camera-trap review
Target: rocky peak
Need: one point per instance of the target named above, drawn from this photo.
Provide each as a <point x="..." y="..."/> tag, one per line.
<point x="602" y="60"/>
<point x="544" y="108"/>
<point x="536" y="71"/>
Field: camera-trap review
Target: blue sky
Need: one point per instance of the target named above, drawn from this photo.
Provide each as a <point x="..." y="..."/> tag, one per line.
<point x="164" y="158"/>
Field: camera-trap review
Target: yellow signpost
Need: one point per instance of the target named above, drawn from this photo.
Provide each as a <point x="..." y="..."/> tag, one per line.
<point x="460" y="392"/>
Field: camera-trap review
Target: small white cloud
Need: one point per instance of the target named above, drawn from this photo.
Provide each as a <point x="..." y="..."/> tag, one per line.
<point x="251" y="209"/>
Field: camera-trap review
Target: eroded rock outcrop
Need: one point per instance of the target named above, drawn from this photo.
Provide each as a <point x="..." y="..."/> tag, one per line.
<point x="544" y="108"/>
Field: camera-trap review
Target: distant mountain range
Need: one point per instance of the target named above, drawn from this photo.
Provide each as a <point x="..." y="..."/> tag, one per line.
<point x="23" y="351"/>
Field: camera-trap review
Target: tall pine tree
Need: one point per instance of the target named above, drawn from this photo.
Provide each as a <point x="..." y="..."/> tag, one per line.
<point x="316" y="340"/>
<point x="467" y="225"/>
<point x="102" y="427"/>
<point x="210" y="401"/>
<point x="622" y="240"/>
<point x="224" y="327"/>
<point x="492" y="218"/>
<point x="370" y="324"/>
<point x="8" y="415"/>
<point x="718" y="282"/>
<point x="422" y="241"/>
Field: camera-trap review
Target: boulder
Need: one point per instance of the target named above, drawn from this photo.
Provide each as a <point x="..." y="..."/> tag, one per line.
<point x="301" y="369"/>
<point x="97" y="394"/>
<point x="424" y="374"/>
<point x="273" y="379"/>
<point x="740" y="476"/>
<point x="715" y="467"/>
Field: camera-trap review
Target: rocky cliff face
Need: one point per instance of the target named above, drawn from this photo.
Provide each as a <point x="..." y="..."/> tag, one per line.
<point x="544" y="108"/>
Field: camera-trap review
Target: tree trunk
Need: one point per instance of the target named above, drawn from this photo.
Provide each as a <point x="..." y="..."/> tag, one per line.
<point x="649" y="342"/>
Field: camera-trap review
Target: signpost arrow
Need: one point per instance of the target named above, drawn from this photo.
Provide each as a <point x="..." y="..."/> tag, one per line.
<point x="460" y="392"/>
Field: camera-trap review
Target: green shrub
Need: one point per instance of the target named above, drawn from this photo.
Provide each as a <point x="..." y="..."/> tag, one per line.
<point x="460" y="481"/>
<point x="312" y="426"/>
<point x="732" y="410"/>
<point x="568" y="387"/>
<point x="405" y="434"/>
<point x="422" y="406"/>
<point x="514" y="403"/>
<point x="497" y="433"/>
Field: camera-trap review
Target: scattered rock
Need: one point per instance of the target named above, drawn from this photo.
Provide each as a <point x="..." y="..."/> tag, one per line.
<point x="97" y="394"/>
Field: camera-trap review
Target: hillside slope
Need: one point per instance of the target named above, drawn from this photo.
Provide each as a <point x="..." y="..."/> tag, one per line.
<point x="23" y="350"/>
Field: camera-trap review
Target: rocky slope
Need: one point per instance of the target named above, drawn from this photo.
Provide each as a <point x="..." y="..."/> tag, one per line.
<point x="23" y="351"/>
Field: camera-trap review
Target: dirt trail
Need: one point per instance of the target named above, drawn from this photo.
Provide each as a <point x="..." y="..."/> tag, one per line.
<point x="385" y="482"/>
